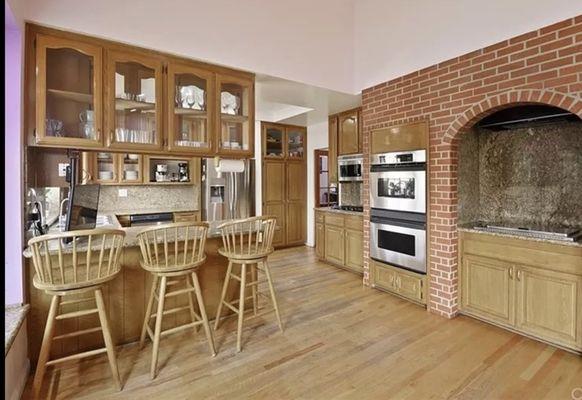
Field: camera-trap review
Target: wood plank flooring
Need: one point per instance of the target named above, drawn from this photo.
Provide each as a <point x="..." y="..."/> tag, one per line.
<point x="341" y="341"/>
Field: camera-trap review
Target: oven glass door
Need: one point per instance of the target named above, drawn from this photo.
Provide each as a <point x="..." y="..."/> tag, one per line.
<point x="398" y="190"/>
<point x="350" y="170"/>
<point x="399" y="245"/>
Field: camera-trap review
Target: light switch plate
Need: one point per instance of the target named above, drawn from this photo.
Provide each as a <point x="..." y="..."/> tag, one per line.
<point x="63" y="169"/>
<point x="122" y="192"/>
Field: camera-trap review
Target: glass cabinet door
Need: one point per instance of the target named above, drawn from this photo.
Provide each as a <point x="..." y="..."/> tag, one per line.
<point x="274" y="141"/>
<point x="191" y="102"/>
<point x="68" y="92"/>
<point x="130" y="168"/>
<point x="236" y="115"/>
<point x="295" y="143"/>
<point x="134" y="94"/>
<point x="105" y="168"/>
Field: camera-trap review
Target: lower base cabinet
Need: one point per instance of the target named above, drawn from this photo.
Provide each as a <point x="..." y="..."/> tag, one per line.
<point x="407" y="284"/>
<point x="338" y="240"/>
<point x="535" y="289"/>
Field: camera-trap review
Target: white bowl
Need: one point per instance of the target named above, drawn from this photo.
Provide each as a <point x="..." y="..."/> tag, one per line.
<point x="131" y="175"/>
<point x="133" y="156"/>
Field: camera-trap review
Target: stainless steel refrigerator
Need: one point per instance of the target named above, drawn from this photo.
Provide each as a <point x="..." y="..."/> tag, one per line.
<point x="230" y="196"/>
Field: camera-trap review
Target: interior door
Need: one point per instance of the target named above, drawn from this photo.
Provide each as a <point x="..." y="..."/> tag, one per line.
<point x="488" y="289"/>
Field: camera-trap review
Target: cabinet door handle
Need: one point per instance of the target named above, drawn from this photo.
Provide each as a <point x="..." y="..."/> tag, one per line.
<point x="510" y="272"/>
<point x="519" y="275"/>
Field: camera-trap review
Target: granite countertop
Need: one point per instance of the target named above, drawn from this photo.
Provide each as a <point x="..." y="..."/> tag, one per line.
<point x="470" y="227"/>
<point x="147" y="211"/>
<point x="13" y="318"/>
<point x="332" y="210"/>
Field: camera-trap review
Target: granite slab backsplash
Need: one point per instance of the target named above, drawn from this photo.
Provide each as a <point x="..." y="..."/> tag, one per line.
<point x="527" y="175"/>
<point x="149" y="197"/>
<point x="351" y="194"/>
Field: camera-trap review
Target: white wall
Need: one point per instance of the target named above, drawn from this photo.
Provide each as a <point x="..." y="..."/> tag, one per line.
<point x="393" y="38"/>
<point x="316" y="139"/>
<point x="302" y="40"/>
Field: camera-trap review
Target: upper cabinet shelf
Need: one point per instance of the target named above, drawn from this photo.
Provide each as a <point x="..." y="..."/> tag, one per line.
<point x="283" y="141"/>
<point x="88" y="93"/>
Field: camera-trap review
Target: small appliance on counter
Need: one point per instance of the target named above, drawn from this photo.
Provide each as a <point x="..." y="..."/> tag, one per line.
<point x="161" y="172"/>
<point x="184" y="176"/>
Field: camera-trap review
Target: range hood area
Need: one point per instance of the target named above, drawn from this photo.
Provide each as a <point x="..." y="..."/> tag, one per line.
<point x="525" y="115"/>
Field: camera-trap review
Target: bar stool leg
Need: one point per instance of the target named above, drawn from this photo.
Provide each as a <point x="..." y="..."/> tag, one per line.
<point x="223" y="295"/>
<point x="191" y="303"/>
<point x="265" y="266"/>
<point x="107" y="338"/>
<point x="47" y="341"/>
<point x="241" y="306"/>
<point x="158" y="329"/>
<point x="148" y="312"/>
<point x="254" y="278"/>
<point x="203" y="313"/>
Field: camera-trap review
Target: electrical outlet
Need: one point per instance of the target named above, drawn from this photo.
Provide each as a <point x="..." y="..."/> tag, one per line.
<point x="122" y="193"/>
<point x="63" y="169"/>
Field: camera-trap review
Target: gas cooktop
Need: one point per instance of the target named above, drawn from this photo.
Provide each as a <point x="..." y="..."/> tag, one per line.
<point x="553" y="232"/>
<point x="348" y="208"/>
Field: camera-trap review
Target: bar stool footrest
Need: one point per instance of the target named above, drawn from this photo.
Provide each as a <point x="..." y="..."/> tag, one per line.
<point x="77" y="314"/>
<point x="78" y="333"/>
<point x="77" y="356"/>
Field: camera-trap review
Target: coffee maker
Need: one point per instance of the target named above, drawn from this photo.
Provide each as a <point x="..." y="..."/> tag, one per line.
<point x="184" y="176"/>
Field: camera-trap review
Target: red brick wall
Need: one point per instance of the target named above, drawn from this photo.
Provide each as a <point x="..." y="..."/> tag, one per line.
<point x="543" y="66"/>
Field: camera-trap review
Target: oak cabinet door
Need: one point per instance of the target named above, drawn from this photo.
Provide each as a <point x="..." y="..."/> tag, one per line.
<point x="273" y="182"/>
<point x="384" y="277"/>
<point x="410" y="286"/>
<point x="332" y="149"/>
<point x="296" y="182"/>
<point x="320" y="241"/>
<point x="295" y="227"/>
<point x="296" y="143"/>
<point x="348" y="137"/>
<point x="488" y="289"/>
<point x="334" y="244"/>
<point x="273" y="141"/>
<point x="277" y="210"/>
<point x="68" y="92"/>
<point x="549" y="305"/>
<point x="354" y="249"/>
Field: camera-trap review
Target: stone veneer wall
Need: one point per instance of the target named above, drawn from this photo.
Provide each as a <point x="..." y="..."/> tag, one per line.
<point x="149" y="197"/>
<point x="543" y="66"/>
<point x="524" y="176"/>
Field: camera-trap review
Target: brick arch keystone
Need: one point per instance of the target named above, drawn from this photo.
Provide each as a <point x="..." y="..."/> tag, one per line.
<point x="496" y="102"/>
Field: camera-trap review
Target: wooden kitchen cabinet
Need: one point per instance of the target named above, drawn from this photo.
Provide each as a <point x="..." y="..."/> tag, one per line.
<point x="187" y="216"/>
<point x="488" y="289"/>
<point x="68" y="93"/>
<point x="334" y="244"/>
<point x="530" y="287"/>
<point x="406" y="137"/>
<point x="339" y="239"/>
<point x="112" y="168"/>
<point x="348" y="133"/>
<point x="332" y="149"/>
<point x="283" y="142"/>
<point x="548" y="305"/>
<point x="191" y="105"/>
<point x="235" y="115"/>
<point x="404" y="283"/>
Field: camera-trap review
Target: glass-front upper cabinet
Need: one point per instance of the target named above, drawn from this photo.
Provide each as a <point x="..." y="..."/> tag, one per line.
<point x="235" y="115"/>
<point x="190" y="107"/>
<point x="296" y="143"/>
<point x="134" y="101"/>
<point x="274" y="141"/>
<point x="68" y="92"/>
<point x="105" y="168"/>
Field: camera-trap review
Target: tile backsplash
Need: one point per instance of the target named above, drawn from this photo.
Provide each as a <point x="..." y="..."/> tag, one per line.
<point x="147" y="197"/>
<point x="351" y="194"/>
<point x="530" y="175"/>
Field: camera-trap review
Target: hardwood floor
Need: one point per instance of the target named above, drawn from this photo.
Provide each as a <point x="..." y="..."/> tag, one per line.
<point x="341" y="341"/>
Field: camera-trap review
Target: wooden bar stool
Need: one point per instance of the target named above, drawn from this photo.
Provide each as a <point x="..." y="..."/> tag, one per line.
<point x="91" y="260"/>
<point x="247" y="242"/>
<point x="173" y="253"/>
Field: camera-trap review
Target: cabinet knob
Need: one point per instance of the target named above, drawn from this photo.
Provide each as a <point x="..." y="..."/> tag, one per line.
<point x="519" y="275"/>
<point x="511" y="272"/>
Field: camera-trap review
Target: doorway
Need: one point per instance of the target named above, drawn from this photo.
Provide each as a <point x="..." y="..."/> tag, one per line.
<point x="324" y="196"/>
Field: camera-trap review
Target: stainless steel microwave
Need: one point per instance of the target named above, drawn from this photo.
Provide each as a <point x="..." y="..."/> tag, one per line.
<point x="350" y="168"/>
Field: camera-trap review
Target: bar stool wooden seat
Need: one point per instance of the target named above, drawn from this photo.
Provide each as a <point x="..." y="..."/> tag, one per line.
<point x="248" y="243"/>
<point x="91" y="260"/>
<point x="173" y="253"/>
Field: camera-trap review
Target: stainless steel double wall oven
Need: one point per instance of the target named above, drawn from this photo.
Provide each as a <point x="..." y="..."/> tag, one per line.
<point x="398" y="209"/>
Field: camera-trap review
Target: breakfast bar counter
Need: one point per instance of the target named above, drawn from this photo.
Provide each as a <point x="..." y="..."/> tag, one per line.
<point x="125" y="298"/>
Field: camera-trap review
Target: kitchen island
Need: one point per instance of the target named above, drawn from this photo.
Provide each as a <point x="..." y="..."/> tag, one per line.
<point x="125" y="297"/>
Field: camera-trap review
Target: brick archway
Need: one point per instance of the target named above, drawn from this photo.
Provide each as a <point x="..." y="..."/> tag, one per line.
<point x="443" y="285"/>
